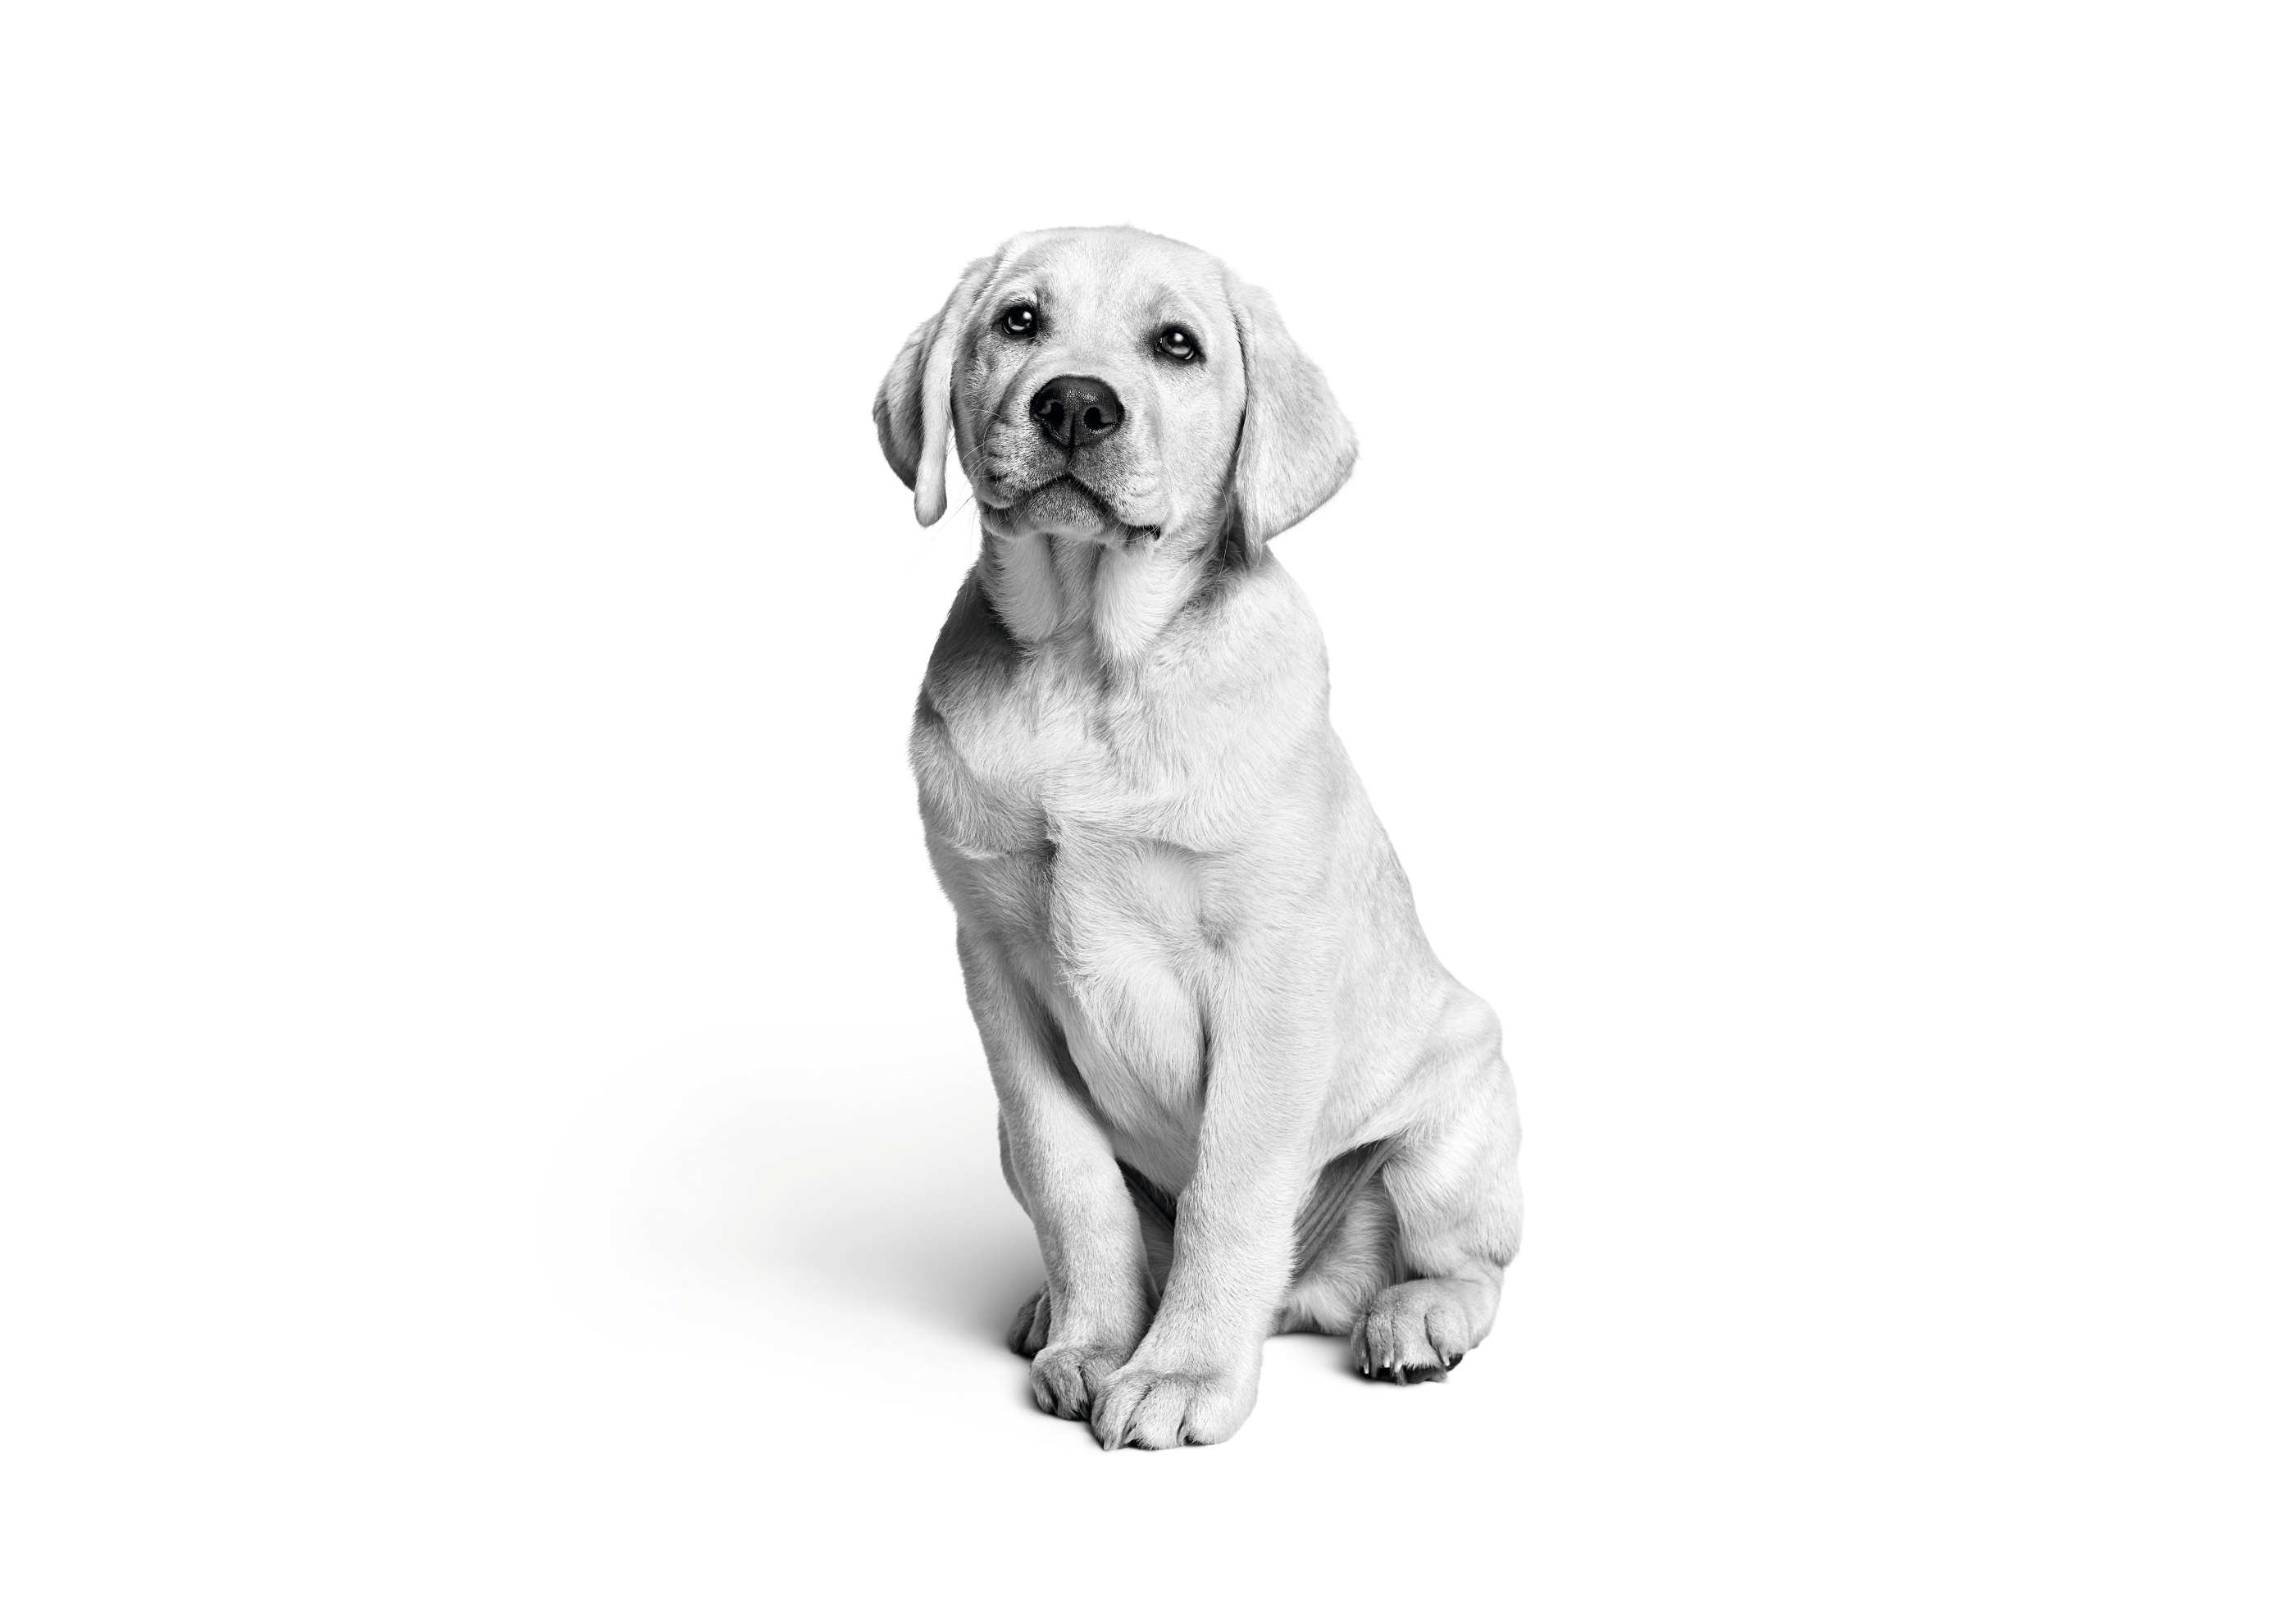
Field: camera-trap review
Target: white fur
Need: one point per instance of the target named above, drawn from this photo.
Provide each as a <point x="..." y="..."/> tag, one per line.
<point x="1187" y="941"/>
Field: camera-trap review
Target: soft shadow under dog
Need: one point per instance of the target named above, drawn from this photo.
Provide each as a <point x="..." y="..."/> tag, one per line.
<point x="882" y="1193"/>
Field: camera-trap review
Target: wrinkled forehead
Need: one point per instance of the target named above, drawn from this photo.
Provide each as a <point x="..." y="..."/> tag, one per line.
<point x="1128" y="276"/>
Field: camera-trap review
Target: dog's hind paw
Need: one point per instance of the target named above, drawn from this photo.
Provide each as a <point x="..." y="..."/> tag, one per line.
<point x="1415" y="1331"/>
<point x="1032" y="1327"/>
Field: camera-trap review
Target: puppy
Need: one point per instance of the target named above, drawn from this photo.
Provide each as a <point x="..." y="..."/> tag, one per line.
<point x="1237" y="1094"/>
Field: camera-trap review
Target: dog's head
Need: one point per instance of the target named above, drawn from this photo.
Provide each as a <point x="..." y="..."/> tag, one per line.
<point x="1111" y="385"/>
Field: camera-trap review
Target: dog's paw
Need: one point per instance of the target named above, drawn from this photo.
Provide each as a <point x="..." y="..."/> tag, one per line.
<point x="1414" y="1332"/>
<point x="1150" y="1408"/>
<point x="1067" y="1377"/>
<point x="1032" y="1327"/>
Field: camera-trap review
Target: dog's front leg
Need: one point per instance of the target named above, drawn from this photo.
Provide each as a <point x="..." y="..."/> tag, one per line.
<point x="1194" y="1377"/>
<point x="1064" y="1173"/>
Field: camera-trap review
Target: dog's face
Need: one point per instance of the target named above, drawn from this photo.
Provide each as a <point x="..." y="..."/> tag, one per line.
<point x="1111" y="385"/>
<point x="1099" y="387"/>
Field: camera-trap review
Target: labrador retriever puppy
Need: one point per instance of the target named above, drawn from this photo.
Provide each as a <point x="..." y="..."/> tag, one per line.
<point x="1237" y="1094"/>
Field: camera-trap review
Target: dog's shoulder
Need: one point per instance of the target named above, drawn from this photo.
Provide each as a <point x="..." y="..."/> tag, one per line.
<point x="973" y="655"/>
<point x="1248" y="642"/>
<point x="977" y="781"/>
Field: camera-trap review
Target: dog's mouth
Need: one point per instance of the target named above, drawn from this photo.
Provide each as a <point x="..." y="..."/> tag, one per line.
<point x="1062" y="505"/>
<point x="1063" y="484"/>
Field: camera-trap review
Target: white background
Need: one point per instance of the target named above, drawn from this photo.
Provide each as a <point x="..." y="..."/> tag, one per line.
<point x="492" y="1129"/>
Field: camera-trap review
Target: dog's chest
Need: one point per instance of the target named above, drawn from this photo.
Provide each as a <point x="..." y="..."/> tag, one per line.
<point x="1051" y="810"/>
<point x="1048" y="757"/>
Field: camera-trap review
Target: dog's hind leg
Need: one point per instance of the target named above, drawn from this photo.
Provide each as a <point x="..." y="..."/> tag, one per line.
<point x="1353" y="1265"/>
<point x="1456" y="1194"/>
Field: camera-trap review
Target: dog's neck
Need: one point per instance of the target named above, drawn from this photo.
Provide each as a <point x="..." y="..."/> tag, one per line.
<point x="1110" y="599"/>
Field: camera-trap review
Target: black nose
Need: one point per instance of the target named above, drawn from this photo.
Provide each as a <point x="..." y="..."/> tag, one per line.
<point x="1077" y="411"/>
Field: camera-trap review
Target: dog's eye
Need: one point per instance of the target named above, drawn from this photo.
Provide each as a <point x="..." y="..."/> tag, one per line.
<point x="1178" y="342"/>
<point x="1019" y="321"/>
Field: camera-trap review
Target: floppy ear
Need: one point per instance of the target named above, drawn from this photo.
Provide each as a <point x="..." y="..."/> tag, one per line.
<point x="1296" y="449"/>
<point x="913" y="402"/>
